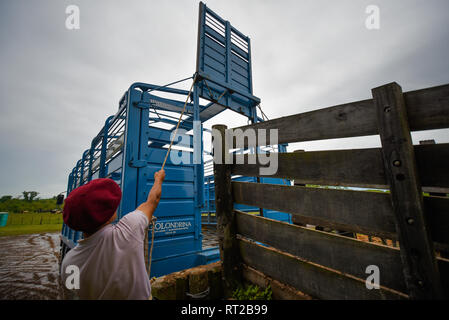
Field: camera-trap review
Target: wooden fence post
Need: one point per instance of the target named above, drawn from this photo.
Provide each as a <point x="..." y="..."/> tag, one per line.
<point x="417" y="252"/>
<point x="294" y="218"/>
<point x="226" y="224"/>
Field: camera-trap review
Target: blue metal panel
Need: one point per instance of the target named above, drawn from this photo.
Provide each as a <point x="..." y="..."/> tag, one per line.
<point x="224" y="63"/>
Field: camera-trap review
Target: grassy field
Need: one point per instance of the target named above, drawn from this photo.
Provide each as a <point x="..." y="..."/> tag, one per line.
<point x="26" y="223"/>
<point x="34" y="218"/>
<point x="14" y="230"/>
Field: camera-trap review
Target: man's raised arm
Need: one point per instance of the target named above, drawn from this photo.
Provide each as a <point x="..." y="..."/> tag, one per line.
<point x="154" y="196"/>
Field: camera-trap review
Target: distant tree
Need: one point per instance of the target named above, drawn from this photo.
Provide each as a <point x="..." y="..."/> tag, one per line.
<point x="32" y="195"/>
<point x="5" y="198"/>
<point x="29" y="195"/>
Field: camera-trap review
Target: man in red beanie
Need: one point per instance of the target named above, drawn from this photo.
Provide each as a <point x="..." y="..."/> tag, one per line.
<point x="110" y="258"/>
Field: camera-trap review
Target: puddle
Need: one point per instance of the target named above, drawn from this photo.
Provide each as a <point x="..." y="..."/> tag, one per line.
<point x="29" y="267"/>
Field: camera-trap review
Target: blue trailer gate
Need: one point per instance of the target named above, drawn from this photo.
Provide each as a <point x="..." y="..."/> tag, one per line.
<point x="133" y="143"/>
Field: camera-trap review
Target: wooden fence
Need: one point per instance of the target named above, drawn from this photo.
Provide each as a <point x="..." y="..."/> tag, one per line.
<point x="330" y="266"/>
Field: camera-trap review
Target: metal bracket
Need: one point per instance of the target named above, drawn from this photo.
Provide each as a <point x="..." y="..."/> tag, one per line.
<point x="115" y="176"/>
<point x="141" y="104"/>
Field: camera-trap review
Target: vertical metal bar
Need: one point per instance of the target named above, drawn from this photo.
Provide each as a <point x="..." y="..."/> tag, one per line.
<point x="228" y="52"/>
<point x="91" y="156"/>
<point x="200" y="39"/>
<point x="75" y="176"/>
<point x="72" y="184"/>
<point x="197" y="160"/>
<point x="250" y="73"/>
<point x="417" y="252"/>
<point x="208" y="199"/>
<point x="69" y="184"/>
<point x="83" y="160"/>
<point x="130" y="154"/>
<point x="142" y="153"/>
<point x="78" y="177"/>
<point x="104" y="146"/>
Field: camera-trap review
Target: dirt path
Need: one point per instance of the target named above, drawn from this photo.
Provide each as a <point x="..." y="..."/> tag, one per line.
<point x="29" y="267"/>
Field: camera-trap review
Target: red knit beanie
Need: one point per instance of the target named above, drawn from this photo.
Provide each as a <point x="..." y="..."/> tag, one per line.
<point x="91" y="205"/>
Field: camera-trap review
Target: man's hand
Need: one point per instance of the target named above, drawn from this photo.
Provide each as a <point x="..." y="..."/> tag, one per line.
<point x="159" y="175"/>
<point x="154" y="195"/>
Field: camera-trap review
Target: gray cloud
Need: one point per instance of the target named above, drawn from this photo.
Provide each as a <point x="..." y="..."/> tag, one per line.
<point x="58" y="86"/>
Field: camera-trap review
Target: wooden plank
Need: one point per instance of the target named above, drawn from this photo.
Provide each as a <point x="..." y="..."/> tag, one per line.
<point x="280" y="290"/>
<point x="417" y="252"/>
<point x="356" y="211"/>
<point x="326" y="249"/>
<point x="226" y="227"/>
<point x="427" y="109"/>
<point x="308" y="277"/>
<point x="357" y="168"/>
<point x="332" y="250"/>
<point x="363" y="167"/>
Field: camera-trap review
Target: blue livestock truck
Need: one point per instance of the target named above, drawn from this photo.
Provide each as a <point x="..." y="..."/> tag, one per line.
<point x="133" y="143"/>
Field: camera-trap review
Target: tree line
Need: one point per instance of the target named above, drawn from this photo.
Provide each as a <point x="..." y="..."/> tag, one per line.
<point x="29" y="203"/>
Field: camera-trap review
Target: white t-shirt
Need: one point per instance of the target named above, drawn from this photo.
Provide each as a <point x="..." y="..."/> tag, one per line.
<point x="111" y="261"/>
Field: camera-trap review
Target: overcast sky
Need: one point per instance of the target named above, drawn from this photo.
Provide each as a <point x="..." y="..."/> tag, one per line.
<point x="57" y="86"/>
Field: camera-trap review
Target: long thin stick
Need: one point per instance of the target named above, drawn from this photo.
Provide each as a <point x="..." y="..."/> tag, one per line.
<point x="177" y="126"/>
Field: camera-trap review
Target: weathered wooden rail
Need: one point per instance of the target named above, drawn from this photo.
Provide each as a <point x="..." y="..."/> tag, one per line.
<point x="326" y="265"/>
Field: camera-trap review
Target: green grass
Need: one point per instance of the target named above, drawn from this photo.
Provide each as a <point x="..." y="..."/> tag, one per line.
<point x="14" y="230"/>
<point x="26" y="223"/>
<point x="252" y="292"/>
<point x="34" y="218"/>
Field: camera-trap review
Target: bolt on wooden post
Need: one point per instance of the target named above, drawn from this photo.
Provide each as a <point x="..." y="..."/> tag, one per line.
<point x="226" y="225"/>
<point x="416" y="247"/>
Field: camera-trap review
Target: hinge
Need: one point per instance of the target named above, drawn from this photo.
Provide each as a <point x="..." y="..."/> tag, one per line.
<point x="138" y="163"/>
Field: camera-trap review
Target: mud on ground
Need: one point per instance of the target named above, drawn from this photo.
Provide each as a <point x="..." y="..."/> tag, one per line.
<point x="29" y="267"/>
